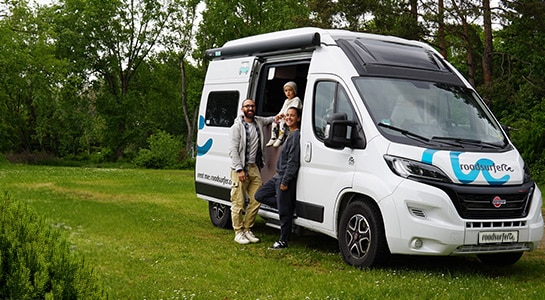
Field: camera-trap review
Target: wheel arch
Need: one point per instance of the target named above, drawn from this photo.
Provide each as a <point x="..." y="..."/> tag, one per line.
<point x="350" y="197"/>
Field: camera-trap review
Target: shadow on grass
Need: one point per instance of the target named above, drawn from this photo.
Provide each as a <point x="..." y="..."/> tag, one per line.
<point x="530" y="263"/>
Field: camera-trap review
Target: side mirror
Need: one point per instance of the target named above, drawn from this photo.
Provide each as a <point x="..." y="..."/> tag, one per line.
<point x="337" y="135"/>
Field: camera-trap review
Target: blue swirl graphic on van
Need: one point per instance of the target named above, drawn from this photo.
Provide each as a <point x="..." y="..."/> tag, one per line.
<point x="483" y="165"/>
<point x="202" y="150"/>
<point x="427" y="156"/>
<point x="467" y="173"/>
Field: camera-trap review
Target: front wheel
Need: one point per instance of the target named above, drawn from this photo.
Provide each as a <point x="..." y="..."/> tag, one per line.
<point x="499" y="259"/>
<point x="361" y="236"/>
<point x="220" y="215"/>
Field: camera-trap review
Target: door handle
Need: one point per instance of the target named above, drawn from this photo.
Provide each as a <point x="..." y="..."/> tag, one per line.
<point x="308" y="152"/>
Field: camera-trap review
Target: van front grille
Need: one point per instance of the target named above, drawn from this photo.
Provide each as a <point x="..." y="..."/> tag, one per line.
<point x="501" y="205"/>
<point x="495" y="224"/>
<point x="489" y="202"/>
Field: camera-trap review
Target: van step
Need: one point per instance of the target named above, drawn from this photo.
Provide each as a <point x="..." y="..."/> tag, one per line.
<point x="295" y="229"/>
<point x="273" y="223"/>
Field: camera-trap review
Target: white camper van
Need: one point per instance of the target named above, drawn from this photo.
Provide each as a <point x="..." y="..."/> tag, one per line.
<point x="399" y="153"/>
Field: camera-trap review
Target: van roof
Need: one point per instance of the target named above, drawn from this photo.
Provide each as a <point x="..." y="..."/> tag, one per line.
<point x="299" y="38"/>
<point x="370" y="54"/>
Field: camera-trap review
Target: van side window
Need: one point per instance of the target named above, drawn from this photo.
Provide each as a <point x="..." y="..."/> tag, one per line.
<point x="330" y="97"/>
<point x="221" y="108"/>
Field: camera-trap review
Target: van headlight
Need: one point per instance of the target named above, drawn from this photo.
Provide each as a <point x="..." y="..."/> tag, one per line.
<point x="413" y="169"/>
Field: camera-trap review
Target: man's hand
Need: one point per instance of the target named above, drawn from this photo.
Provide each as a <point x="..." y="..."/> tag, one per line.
<point x="242" y="176"/>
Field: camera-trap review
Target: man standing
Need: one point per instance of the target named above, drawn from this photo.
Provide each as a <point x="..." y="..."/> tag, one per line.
<point x="246" y="154"/>
<point x="279" y="191"/>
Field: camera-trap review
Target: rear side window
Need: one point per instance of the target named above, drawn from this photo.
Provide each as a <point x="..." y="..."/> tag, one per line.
<point x="221" y="108"/>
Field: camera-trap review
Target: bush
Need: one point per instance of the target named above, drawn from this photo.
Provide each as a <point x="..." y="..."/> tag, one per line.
<point x="32" y="158"/>
<point x="163" y="152"/>
<point x="101" y="156"/>
<point x="36" y="261"/>
<point x="529" y="138"/>
<point x="188" y="164"/>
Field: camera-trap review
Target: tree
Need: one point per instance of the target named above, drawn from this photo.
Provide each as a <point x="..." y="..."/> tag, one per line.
<point x="519" y="82"/>
<point x="322" y="13"/>
<point x="488" y="47"/>
<point x="353" y="14"/>
<point x="464" y="12"/>
<point x="179" y="40"/>
<point x="109" y="40"/>
<point x="31" y="82"/>
<point x="159" y="80"/>
<point x="225" y="20"/>
<point x="441" y="28"/>
<point x="398" y="18"/>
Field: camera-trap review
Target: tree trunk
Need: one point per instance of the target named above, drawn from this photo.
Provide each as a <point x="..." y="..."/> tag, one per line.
<point x="414" y="9"/>
<point x="441" y="28"/>
<point x="469" y="55"/>
<point x="467" y="44"/>
<point x="488" y="48"/>
<point x="189" y="124"/>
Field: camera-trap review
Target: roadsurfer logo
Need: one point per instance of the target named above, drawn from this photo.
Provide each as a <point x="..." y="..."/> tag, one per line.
<point x="467" y="173"/>
<point x="486" y="167"/>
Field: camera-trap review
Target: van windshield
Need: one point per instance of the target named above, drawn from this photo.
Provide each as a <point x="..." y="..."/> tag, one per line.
<point x="429" y="112"/>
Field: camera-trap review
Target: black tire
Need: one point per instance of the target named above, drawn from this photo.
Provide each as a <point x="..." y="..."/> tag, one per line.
<point x="500" y="259"/>
<point x="361" y="236"/>
<point x="220" y="215"/>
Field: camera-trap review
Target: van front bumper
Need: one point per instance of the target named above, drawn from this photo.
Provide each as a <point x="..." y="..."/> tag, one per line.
<point x="429" y="223"/>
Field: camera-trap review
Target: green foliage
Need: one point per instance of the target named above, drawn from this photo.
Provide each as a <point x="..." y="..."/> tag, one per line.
<point x="159" y="79"/>
<point x="101" y="156"/>
<point x="519" y="96"/>
<point x="31" y="75"/>
<point x="393" y="17"/>
<point x="225" y="20"/>
<point x="163" y="152"/>
<point x="36" y="260"/>
<point x="528" y="136"/>
<point x="111" y="41"/>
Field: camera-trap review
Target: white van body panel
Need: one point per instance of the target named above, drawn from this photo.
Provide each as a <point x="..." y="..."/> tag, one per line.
<point x="230" y="71"/>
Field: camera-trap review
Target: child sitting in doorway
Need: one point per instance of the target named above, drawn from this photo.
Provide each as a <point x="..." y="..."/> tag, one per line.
<point x="279" y="128"/>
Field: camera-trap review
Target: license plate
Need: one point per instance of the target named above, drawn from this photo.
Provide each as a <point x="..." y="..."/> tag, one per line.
<point x="493" y="237"/>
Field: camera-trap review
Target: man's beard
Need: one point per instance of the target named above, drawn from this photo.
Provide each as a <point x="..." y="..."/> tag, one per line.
<point x="248" y="115"/>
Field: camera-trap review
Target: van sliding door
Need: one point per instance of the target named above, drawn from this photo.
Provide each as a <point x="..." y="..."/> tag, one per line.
<point x="226" y="86"/>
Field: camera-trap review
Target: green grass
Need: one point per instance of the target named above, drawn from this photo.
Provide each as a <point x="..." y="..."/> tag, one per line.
<point x="147" y="236"/>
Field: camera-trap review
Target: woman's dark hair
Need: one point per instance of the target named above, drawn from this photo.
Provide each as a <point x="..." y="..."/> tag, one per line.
<point x="296" y="109"/>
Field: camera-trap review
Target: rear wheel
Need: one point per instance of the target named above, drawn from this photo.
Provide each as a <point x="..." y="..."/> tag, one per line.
<point x="361" y="236"/>
<point x="500" y="259"/>
<point x="220" y="215"/>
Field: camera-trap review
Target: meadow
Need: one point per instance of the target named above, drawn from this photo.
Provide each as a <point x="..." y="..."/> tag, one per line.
<point x="147" y="236"/>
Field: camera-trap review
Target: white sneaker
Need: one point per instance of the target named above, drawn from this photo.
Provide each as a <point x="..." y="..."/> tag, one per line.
<point x="277" y="143"/>
<point x="240" y="238"/>
<point x="251" y="237"/>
